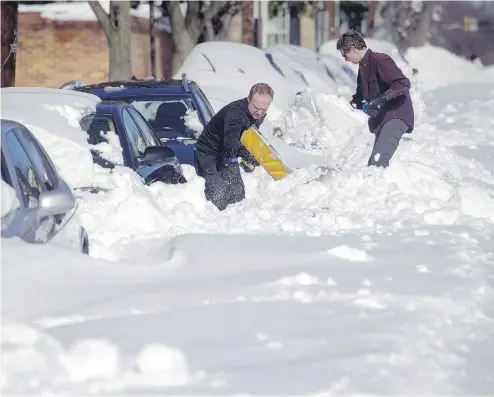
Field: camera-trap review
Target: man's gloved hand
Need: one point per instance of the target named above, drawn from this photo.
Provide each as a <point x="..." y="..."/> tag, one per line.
<point x="374" y="105"/>
<point x="355" y="105"/>
<point x="247" y="165"/>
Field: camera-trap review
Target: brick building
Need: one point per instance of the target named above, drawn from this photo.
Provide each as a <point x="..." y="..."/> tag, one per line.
<point x="53" y="51"/>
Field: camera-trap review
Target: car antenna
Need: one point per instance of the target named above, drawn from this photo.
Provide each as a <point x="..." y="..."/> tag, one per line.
<point x="185" y="82"/>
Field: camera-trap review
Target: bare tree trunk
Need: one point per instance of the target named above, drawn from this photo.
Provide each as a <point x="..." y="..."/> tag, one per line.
<point x="187" y="30"/>
<point x="117" y="27"/>
<point x="9" y="30"/>
<point x="183" y="46"/>
<point x="420" y="36"/>
<point x="371" y="17"/>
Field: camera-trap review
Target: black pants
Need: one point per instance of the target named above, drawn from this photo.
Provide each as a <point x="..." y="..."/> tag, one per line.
<point x="223" y="181"/>
<point x="387" y="141"/>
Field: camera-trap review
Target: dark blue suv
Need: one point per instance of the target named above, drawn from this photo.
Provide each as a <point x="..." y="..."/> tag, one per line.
<point x="177" y="110"/>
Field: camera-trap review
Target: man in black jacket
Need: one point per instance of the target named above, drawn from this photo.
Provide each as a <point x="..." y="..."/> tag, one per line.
<point x="218" y="148"/>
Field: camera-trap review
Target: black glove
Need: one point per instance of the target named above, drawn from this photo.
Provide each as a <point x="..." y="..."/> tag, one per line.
<point x="355" y="105"/>
<point x="375" y="105"/>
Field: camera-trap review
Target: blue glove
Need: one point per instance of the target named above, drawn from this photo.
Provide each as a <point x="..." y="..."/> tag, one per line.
<point x="373" y="106"/>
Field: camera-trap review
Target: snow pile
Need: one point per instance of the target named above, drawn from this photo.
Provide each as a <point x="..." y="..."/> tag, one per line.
<point x="192" y="121"/>
<point x="320" y="122"/>
<point x="9" y="203"/>
<point x="31" y="360"/>
<point x="111" y="150"/>
<point x="438" y="67"/>
<point x="413" y="309"/>
<point x="428" y="182"/>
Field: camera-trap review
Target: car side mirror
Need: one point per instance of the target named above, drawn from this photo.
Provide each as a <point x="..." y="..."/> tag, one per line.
<point x="156" y="155"/>
<point x="55" y="202"/>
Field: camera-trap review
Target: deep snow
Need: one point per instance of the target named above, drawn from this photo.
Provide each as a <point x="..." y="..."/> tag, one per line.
<point x="338" y="280"/>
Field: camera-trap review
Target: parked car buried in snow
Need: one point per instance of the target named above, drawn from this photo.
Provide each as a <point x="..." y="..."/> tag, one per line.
<point x="46" y="203"/>
<point x="119" y="135"/>
<point x="177" y="110"/>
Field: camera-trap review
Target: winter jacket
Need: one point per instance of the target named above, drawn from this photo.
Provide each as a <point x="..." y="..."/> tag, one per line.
<point x="379" y="74"/>
<point x="221" y="136"/>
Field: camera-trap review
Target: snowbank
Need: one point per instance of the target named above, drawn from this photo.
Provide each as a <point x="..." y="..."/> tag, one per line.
<point x="428" y="182"/>
<point x="438" y="67"/>
<point x="406" y="311"/>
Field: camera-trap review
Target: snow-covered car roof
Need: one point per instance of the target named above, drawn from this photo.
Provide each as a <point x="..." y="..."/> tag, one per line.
<point x="305" y="62"/>
<point x="236" y="66"/>
<point x="53" y="116"/>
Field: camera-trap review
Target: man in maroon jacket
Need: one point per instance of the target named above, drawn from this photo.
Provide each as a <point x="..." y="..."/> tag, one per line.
<point x="383" y="92"/>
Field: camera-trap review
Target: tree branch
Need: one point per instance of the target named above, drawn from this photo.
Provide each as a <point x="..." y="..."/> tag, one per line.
<point x="213" y="9"/>
<point x="103" y="17"/>
<point x="209" y="31"/>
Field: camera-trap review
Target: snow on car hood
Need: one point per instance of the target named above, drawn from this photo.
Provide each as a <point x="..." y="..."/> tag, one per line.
<point x="53" y="115"/>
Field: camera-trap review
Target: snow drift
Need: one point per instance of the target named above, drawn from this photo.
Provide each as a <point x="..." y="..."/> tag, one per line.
<point x="438" y="67"/>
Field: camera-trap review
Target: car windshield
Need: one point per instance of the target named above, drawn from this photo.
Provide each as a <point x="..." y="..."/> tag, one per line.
<point x="168" y="116"/>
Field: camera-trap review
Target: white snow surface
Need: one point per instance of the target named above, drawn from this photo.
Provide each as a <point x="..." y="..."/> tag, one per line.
<point x="339" y="279"/>
<point x="438" y="67"/>
<point x="192" y="121"/>
<point x="76" y="10"/>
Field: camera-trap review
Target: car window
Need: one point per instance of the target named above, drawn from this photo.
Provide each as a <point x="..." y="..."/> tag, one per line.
<point x="96" y="127"/>
<point x="166" y="115"/>
<point x="209" y="109"/>
<point x="141" y="122"/>
<point x="103" y="140"/>
<point x="136" y="140"/>
<point x="5" y="172"/>
<point x="29" y="182"/>
<point x="43" y="166"/>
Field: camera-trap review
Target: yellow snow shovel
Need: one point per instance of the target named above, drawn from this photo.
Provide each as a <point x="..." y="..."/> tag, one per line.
<point x="264" y="153"/>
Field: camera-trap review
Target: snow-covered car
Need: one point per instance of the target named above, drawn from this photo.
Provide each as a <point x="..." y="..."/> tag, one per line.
<point x="303" y="64"/>
<point x="53" y="116"/>
<point x="46" y="204"/>
<point x="232" y="69"/>
<point x="344" y="76"/>
<point x="119" y="135"/>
